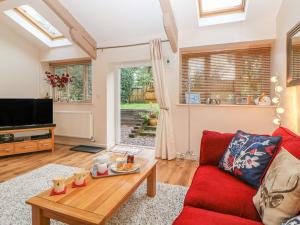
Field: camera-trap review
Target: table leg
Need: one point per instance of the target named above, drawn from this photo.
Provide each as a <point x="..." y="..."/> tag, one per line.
<point x="38" y="218"/>
<point x="151" y="183"/>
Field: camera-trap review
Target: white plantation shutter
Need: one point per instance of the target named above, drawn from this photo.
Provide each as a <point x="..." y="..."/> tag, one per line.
<point x="226" y="74"/>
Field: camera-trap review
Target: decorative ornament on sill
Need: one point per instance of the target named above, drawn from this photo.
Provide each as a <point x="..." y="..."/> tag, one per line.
<point x="276" y="100"/>
<point x="263" y="100"/>
<point x="60" y="83"/>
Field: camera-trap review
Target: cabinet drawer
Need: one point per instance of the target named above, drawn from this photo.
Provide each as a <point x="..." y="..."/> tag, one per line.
<point x="28" y="146"/>
<point x="6" y="149"/>
<point x="45" y="144"/>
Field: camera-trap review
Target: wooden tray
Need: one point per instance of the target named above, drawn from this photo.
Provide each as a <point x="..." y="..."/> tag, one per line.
<point x="110" y="173"/>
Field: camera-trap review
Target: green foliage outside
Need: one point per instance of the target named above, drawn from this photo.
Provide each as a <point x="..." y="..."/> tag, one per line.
<point x="127" y="82"/>
<point x="144" y="76"/>
<point x="134" y="77"/>
<point x="140" y="106"/>
<point x="77" y="86"/>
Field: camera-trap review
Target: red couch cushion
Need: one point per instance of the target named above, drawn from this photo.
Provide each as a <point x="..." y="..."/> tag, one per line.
<point x="215" y="190"/>
<point x="213" y="146"/>
<point x="195" y="216"/>
<point x="290" y="141"/>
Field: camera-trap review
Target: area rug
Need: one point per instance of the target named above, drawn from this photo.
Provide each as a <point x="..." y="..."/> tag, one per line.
<point x="139" y="210"/>
<point x="132" y="149"/>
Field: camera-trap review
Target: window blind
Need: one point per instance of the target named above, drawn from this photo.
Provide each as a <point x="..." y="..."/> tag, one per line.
<point x="227" y="75"/>
<point x="295" y="68"/>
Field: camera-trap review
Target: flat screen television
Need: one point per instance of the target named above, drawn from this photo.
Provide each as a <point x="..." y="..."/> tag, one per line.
<point x="25" y="112"/>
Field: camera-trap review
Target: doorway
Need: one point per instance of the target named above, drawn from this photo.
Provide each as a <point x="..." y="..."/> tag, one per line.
<point x="138" y="107"/>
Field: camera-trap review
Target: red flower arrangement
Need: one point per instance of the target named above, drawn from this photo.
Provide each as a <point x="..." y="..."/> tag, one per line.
<point x="58" y="81"/>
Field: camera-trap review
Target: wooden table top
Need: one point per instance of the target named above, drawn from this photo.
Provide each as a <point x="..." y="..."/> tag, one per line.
<point x="96" y="202"/>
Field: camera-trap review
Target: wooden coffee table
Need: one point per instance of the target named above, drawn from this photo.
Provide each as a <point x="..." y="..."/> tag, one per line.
<point x="95" y="203"/>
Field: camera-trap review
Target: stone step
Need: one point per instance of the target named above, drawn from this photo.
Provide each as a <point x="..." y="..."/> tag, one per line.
<point x="153" y="128"/>
<point x="147" y="133"/>
<point x="132" y="135"/>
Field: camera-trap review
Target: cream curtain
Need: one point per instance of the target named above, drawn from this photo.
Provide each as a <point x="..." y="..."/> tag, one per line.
<point x="165" y="147"/>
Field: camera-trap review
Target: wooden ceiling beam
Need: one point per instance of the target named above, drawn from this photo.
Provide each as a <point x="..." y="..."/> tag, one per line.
<point x="83" y="43"/>
<point x="170" y="24"/>
<point x="78" y="33"/>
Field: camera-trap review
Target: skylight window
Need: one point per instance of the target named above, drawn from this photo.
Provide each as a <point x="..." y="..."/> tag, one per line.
<point x="218" y="7"/>
<point x="33" y="16"/>
<point x="212" y="12"/>
<point x="37" y="25"/>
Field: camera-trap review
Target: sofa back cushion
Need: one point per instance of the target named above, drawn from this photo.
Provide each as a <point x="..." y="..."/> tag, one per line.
<point x="213" y="146"/>
<point x="290" y="141"/>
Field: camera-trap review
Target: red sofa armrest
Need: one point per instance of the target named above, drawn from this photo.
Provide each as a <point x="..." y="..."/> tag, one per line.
<point x="213" y="147"/>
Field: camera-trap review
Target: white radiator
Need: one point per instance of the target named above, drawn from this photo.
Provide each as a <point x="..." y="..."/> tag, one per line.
<point x="78" y="124"/>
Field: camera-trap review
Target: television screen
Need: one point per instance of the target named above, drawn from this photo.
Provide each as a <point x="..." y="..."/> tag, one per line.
<point x="25" y="112"/>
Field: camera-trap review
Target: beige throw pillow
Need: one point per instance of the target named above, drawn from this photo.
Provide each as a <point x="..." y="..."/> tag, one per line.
<point x="278" y="197"/>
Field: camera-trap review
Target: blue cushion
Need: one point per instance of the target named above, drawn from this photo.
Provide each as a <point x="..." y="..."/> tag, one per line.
<point x="293" y="221"/>
<point x="248" y="156"/>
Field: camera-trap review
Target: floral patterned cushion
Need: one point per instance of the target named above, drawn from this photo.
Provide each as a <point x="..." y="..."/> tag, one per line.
<point x="293" y="221"/>
<point x="248" y="156"/>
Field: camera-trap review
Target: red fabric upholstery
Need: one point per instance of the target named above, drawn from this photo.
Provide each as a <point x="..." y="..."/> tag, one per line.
<point x="195" y="216"/>
<point x="290" y="141"/>
<point x="218" y="191"/>
<point x="213" y="146"/>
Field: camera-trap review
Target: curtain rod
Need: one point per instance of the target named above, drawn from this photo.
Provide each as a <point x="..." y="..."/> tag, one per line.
<point x="125" y="46"/>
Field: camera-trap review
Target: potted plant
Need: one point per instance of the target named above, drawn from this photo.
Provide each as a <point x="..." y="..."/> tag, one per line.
<point x="61" y="82"/>
<point x="153" y="115"/>
<point x="152" y="119"/>
<point x="52" y="80"/>
<point x="145" y="117"/>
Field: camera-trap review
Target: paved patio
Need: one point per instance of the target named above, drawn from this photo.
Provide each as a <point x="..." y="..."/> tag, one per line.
<point x="139" y="140"/>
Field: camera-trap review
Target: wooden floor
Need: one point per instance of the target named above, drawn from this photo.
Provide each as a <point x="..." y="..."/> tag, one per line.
<point x="10" y="167"/>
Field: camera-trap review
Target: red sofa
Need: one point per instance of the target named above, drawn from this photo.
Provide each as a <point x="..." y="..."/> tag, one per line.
<point x="217" y="198"/>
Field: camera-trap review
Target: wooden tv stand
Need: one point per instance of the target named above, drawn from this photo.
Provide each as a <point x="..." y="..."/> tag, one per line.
<point x="26" y="146"/>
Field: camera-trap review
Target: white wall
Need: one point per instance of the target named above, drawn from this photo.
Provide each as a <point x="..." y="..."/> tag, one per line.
<point x="20" y="66"/>
<point x="288" y="17"/>
<point x="220" y="118"/>
<point x="29" y="83"/>
<point x="227" y="33"/>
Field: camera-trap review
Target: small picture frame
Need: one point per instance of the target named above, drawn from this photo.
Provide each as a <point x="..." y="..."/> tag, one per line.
<point x="192" y="98"/>
<point x="242" y="100"/>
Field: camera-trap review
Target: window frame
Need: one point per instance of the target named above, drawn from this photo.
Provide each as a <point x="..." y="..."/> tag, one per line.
<point x="224" y="11"/>
<point x="86" y="63"/>
<point x="215" y="49"/>
<point x="31" y="20"/>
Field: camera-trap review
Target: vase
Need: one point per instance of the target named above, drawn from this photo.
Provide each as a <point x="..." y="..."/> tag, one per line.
<point x="59" y="95"/>
<point x="153" y="121"/>
<point x="53" y="93"/>
<point x="68" y="92"/>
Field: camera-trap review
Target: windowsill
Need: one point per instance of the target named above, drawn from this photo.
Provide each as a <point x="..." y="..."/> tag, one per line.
<point x="74" y="103"/>
<point x="212" y="105"/>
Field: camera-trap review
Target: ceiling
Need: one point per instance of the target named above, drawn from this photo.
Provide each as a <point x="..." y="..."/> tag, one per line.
<point x="115" y="22"/>
<point x="118" y="22"/>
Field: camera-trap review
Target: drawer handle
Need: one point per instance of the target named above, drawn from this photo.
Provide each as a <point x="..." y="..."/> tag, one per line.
<point x="29" y="146"/>
<point x="5" y="149"/>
